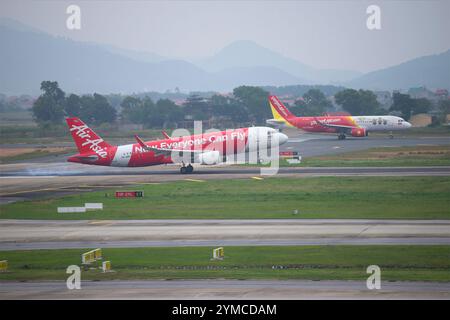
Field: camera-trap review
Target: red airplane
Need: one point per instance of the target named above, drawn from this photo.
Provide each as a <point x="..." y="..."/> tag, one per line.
<point x="358" y="126"/>
<point x="208" y="148"/>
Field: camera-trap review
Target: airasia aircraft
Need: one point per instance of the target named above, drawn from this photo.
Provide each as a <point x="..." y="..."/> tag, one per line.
<point x="207" y="148"/>
<point x="358" y="126"/>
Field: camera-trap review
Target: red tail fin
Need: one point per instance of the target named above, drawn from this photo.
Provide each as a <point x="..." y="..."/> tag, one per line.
<point x="278" y="109"/>
<point x="85" y="138"/>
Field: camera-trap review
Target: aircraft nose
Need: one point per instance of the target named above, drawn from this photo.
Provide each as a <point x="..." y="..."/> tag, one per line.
<point x="408" y="125"/>
<point x="282" y="138"/>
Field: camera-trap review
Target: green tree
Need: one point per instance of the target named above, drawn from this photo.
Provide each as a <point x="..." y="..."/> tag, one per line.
<point x="72" y="106"/>
<point x="198" y="107"/>
<point x="49" y="106"/>
<point x="169" y="111"/>
<point x="133" y="110"/>
<point x="444" y="110"/>
<point x="254" y="100"/>
<point x="314" y="103"/>
<point x="96" y="109"/>
<point x="361" y="102"/>
<point x="408" y="106"/>
<point x="228" y="107"/>
<point x="402" y="103"/>
<point x="421" y="105"/>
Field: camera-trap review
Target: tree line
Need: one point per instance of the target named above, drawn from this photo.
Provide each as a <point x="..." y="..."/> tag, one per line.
<point x="246" y="105"/>
<point x="53" y="105"/>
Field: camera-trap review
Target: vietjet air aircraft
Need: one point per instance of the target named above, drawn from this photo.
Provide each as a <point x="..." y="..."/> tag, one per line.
<point x="358" y="126"/>
<point x="208" y="148"/>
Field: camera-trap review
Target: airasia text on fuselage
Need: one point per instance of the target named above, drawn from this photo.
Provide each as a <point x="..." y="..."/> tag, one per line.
<point x="83" y="132"/>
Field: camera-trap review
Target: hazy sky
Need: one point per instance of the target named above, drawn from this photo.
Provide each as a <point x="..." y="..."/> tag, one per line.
<point x="322" y="34"/>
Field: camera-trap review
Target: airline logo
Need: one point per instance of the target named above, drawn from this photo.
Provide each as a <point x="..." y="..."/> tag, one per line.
<point x="326" y="121"/>
<point x="83" y="132"/>
<point x="279" y="107"/>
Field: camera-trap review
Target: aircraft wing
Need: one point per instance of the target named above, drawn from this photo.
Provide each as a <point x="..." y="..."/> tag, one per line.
<point x="275" y="122"/>
<point x="87" y="158"/>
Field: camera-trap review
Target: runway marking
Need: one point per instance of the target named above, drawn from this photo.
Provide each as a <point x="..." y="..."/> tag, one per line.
<point x="145" y="183"/>
<point x="101" y="222"/>
<point x="257" y="178"/>
<point x="28" y="191"/>
<point x="26" y="177"/>
<point x="194" y="180"/>
<point x="106" y="186"/>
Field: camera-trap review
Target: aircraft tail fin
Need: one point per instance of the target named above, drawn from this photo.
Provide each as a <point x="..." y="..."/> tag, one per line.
<point x="279" y="111"/>
<point x="85" y="138"/>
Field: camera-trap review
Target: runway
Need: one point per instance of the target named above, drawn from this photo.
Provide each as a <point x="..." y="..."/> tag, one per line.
<point x="52" y="176"/>
<point x="19" y="185"/>
<point x="58" y="234"/>
<point x="308" y="144"/>
<point x="224" y="289"/>
<point x="312" y="145"/>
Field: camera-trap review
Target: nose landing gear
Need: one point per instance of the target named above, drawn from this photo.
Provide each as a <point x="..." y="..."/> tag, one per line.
<point x="186" y="169"/>
<point x="341" y="136"/>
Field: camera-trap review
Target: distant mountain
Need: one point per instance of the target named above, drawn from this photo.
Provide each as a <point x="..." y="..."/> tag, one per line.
<point x="249" y="54"/>
<point x="254" y="76"/>
<point x="136" y="55"/>
<point x="29" y="56"/>
<point x="430" y="71"/>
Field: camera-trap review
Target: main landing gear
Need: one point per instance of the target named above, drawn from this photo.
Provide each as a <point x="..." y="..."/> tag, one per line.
<point x="186" y="169"/>
<point x="341" y="136"/>
<point x="391" y="135"/>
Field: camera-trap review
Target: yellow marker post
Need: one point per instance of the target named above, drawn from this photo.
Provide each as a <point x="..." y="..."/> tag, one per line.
<point x="98" y="254"/>
<point x="106" y="266"/>
<point x="3" y="265"/>
<point x="218" y="253"/>
<point x="88" y="257"/>
<point x="257" y="178"/>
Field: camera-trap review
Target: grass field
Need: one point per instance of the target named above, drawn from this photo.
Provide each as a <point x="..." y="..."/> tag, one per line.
<point x="425" y="263"/>
<point x="386" y="156"/>
<point x="8" y="155"/>
<point x="416" y="131"/>
<point x="319" y="197"/>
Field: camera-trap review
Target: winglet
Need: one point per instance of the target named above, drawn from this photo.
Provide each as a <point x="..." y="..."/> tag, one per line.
<point x="141" y="143"/>
<point x="165" y="135"/>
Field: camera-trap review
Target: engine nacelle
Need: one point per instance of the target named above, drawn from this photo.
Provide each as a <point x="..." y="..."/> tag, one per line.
<point x="209" y="157"/>
<point x="359" y="132"/>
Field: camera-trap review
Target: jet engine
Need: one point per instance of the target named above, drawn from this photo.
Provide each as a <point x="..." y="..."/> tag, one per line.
<point x="209" y="157"/>
<point x="359" y="132"/>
